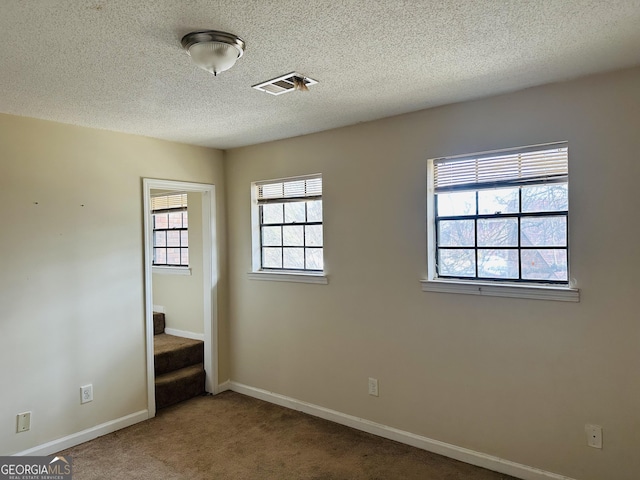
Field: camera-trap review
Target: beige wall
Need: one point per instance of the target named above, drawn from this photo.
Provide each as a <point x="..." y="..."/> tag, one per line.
<point x="182" y="296"/>
<point x="514" y="378"/>
<point x="71" y="282"/>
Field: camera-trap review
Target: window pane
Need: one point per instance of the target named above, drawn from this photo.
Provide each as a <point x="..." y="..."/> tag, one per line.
<point x="547" y="264"/>
<point x="293" y="258"/>
<point x="272" y="236"/>
<point x="456" y="263"/>
<point x="503" y="200"/>
<point x="458" y="203"/>
<point x="294" y="212"/>
<point x="184" y="256"/>
<point x="314" y="258"/>
<point x="292" y="235"/>
<point x="456" y="233"/>
<point x="544" y="231"/>
<point x="498" y="263"/>
<point x="314" y="211"/>
<point x="175" y="220"/>
<point x="545" y="198"/>
<point x="160" y="220"/>
<point x="185" y="219"/>
<point x="173" y="256"/>
<point x="184" y="238"/>
<point x="313" y="235"/>
<point x="272" y="258"/>
<point x="498" y="232"/>
<point x="159" y="256"/>
<point x="159" y="239"/>
<point x="272" y="213"/>
<point x="173" y="238"/>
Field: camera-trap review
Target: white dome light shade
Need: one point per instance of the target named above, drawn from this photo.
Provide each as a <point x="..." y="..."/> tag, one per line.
<point x="214" y="57"/>
<point x="212" y="50"/>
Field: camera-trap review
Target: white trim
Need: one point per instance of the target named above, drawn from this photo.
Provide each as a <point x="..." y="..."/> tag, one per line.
<point x="475" y="287"/>
<point x="288" y="179"/>
<point x="224" y="386"/>
<point x="170" y="270"/>
<point x="184" y="334"/>
<point x="486" y="153"/>
<point x="466" y="455"/>
<point x="537" y="292"/>
<point x="289" y="277"/>
<point x="74" y="439"/>
<point x="255" y="233"/>
<point x="211" y="267"/>
<point x="255" y="230"/>
<point x="148" y="296"/>
<point x="431" y="221"/>
<point x="158" y="309"/>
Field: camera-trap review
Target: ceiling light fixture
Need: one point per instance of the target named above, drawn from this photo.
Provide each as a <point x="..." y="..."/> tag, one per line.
<point x="212" y="50"/>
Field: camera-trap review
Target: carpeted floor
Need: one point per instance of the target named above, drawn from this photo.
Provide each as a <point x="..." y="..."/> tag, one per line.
<point x="232" y="436"/>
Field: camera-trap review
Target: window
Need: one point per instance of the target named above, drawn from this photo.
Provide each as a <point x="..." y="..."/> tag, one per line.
<point x="288" y="225"/>
<point x="170" y="230"/>
<point x="501" y="216"/>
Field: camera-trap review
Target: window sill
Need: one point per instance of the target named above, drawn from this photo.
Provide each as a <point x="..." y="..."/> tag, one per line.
<point x="171" y="270"/>
<point x="289" y="277"/>
<point x="538" y="292"/>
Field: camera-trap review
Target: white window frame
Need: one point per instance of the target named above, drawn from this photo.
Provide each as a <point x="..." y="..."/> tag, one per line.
<point x="257" y="273"/>
<point x="163" y="269"/>
<point x="531" y="290"/>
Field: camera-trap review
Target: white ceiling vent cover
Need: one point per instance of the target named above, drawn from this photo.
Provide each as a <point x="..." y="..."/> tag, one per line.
<point x="283" y="84"/>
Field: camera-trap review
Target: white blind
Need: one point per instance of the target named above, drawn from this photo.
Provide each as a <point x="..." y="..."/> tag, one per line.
<point x="539" y="165"/>
<point x="166" y="202"/>
<point x="290" y="190"/>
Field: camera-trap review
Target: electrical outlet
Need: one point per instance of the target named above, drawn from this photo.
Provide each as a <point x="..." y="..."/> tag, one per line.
<point x="594" y="435"/>
<point x="24" y="421"/>
<point x="86" y="393"/>
<point x="373" y="386"/>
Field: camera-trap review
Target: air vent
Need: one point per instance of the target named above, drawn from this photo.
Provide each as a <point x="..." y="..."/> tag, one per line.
<point x="285" y="83"/>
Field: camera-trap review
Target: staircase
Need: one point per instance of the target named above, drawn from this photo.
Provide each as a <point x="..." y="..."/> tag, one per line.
<point x="179" y="365"/>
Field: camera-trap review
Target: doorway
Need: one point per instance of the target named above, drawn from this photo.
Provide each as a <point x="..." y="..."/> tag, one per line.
<point x="209" y="277"/>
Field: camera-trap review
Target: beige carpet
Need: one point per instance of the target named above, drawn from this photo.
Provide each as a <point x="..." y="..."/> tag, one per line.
<point x="231" y="436"/>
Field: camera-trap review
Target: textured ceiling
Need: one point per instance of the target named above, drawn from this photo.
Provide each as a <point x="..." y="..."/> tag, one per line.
<point x="118" y="64"/>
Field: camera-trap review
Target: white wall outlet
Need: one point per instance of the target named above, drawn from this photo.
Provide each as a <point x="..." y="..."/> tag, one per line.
<point x="24" y="421"/>
<point x="373" y="386"/>
<point x="594" y="435"/>
<point x="86" y="393"/>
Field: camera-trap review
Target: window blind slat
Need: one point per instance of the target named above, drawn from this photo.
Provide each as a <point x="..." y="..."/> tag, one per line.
<point x="508" y="169"/>
<point x="288" y="191"/>
<point x="167" y="202"/>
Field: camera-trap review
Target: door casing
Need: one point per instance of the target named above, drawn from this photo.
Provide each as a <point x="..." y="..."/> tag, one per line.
<point x="210" y="275"/>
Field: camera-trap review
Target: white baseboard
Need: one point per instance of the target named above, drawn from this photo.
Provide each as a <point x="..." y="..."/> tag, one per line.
<point x="74" y="439"/>
<point x="223" y="387"/>
<point x="184" y="334"/>
<point x="472" y="457"/>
